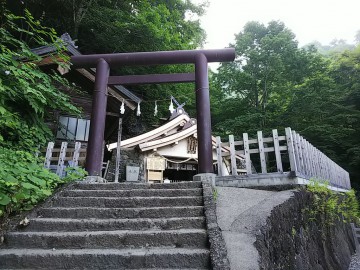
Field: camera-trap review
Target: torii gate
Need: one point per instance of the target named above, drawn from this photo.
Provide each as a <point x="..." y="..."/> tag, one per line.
<point x="103" y="62"/>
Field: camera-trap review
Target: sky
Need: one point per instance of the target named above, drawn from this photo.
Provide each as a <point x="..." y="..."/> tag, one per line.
<point x="309" y="20"/>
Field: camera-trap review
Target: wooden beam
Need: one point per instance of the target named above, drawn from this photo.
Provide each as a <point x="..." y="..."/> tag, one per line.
<point x="152" y="78"/>
<point x="113" y="114"/>
<point x="232" y="155"/>
<point x="111" y="91"/>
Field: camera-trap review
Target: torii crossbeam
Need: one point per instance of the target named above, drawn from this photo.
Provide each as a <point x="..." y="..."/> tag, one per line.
<point x="103" y="63"/>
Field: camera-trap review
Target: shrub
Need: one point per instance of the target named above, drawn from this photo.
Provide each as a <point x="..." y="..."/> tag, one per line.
<point x="24" y="182"/>
<point x="329" y="206"/>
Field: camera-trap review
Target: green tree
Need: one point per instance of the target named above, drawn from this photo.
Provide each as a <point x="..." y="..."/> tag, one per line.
<point x="268" y="63"/>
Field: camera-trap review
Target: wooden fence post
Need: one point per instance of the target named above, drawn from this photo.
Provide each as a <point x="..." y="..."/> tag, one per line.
<point x="48" y="155"/>
<point x="309" y="157"/>
<point x="60" y="166"/>
<point x="305" y="154"/>
<point x="232" y="155"/>
<point x="219" y="156"/>
<point x="261" y="152"/>
<point x="277" y="151"/>
<point x="76" y="154"/>
<point x="118" y="155"/>
<point x="247" y="153"/>
<point x="291" y="150"/>
<point x="298" y="154"/>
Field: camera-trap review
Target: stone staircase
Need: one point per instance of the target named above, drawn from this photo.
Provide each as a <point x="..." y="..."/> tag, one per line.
<point x="114" y="226"/>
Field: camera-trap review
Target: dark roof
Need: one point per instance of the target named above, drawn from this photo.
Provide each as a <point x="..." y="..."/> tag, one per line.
<point x="72" y="49"/>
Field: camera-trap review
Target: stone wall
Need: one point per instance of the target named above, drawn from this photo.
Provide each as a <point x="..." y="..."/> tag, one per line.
<point x="289" y="240"/>
<point x="129" y="157"/>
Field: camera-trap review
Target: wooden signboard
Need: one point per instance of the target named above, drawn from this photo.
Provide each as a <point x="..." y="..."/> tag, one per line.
<point x="155" y="167"/>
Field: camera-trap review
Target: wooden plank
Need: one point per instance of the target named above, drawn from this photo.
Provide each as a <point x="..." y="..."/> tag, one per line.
<point x="60" y="166"/>
<point x="219" y="155"/>
<point x="225" y="154"/>
<point x="252" y="141"/>
<point x="329" y="164"/>
<point x="69" y="150"/>
<point x="269" y="149"/>
<point x="310" y="158"/>
<point x="240" y="152"/>
<point x="67" y="158"/>
<point x="283" y="148"/>
<point x="232" y="155"/>
<point x="322" y="163"/>
<point x="297" y="154"/>
<point x="326" y="166"/>
<point x="75" y="158"/>
<point x="306" y="170"/>
<point x="277" y="151"/>
<point x="247" y="153"/>
<point x="48" y="155"/>
<point x="282" y="138"/>
<point x="261" y="152"/>
<point x="225" y="144"/>
<point x="291" y="150"/>
<point x="267" y="140"/>
<point x="317" y="163"/>
<point x="266" y="150"/>
<point x="118" y="156"/>
<point x="238" y="143"/>
<point x="106" y="168"/>
<point x="331" y="171"/>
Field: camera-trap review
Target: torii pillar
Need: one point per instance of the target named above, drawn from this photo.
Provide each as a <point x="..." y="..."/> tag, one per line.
<point x="103" y="63"/>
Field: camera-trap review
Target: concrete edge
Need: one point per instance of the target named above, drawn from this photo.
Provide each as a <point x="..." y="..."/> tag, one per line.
<point x="218" y="251"/>
<point x="274" y="181"/>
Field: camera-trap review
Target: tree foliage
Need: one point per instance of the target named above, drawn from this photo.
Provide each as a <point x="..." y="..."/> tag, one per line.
<point x="25" y="91"/>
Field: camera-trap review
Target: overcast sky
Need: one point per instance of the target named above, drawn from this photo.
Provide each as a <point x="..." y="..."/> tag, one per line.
<point x="321" y="20"/>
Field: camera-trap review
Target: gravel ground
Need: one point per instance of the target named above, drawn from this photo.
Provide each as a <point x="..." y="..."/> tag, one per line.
<point x="355" y="262"/>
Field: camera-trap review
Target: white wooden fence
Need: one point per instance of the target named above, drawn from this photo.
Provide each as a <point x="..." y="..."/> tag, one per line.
<point x="60" y="155"/>
<point x="305" y="160"/>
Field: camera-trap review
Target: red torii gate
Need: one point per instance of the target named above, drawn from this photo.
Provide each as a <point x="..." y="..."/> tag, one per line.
<point x="103" y="62"/>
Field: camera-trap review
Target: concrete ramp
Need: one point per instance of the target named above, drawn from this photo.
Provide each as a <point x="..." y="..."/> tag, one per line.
<point x="241" y="213"/>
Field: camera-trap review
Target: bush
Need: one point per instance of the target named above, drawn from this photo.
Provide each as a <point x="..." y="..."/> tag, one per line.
<point x="24" y="182"/>
<point x="330" y="206"/>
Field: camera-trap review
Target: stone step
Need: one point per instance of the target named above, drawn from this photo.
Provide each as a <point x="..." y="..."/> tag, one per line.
<point x="109" y="202"/>
<point x="116" y="186"/>
<point x="183" y="238"/>
<point x="63" y="224"/>
<point x="105" y="213"/>
<point x="156" y="258"/>
<point x="133" y="193"/>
